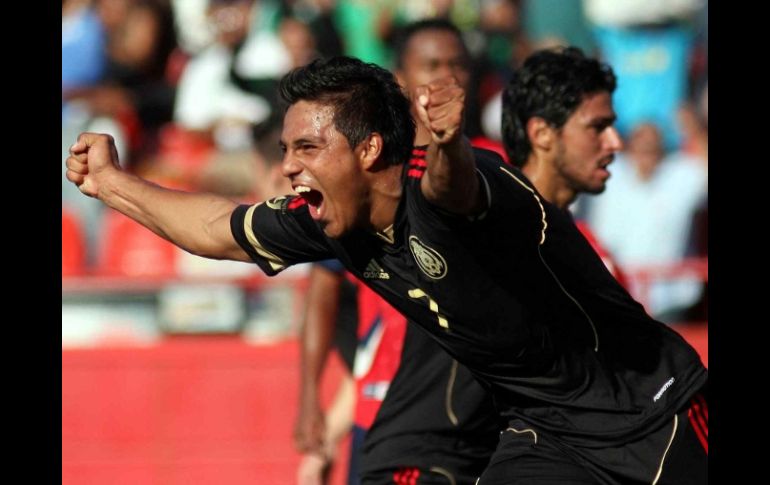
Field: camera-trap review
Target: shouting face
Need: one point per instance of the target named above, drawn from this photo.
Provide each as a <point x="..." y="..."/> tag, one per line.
<point x="323" y="169"/>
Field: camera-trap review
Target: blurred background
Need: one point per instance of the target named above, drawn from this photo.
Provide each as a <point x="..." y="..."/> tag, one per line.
<point x="177" y="369"/>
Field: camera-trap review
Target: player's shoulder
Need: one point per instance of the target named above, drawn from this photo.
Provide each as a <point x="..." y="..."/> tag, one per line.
<point x="485" y="156"/>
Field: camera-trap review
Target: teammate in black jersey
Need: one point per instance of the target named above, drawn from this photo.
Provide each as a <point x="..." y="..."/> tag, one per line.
<point x="594" y="390"/>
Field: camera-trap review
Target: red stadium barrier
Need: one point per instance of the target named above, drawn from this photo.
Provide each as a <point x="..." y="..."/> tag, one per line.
<point x="202" y="409"/>
<point x="189" y="410"/>
<point x="73" y="245"/>
<point x="644" y="276"/>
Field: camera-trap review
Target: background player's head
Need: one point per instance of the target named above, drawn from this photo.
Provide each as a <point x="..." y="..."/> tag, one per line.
<point x="558" y="116"/>
<point x="430" y="49"/>
<point x="347" y="123"/>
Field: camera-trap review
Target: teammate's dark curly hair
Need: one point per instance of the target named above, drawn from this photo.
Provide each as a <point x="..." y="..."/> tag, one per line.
<point x="365" y="97"/>
<point x="551" y="85"/>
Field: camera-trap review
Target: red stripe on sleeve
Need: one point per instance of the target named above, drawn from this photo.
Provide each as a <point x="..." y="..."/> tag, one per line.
<point x="414" y="173"/>
<point x="704" y="407"/>
<point x="397" y="477"/>
<point x="415" y="476"/>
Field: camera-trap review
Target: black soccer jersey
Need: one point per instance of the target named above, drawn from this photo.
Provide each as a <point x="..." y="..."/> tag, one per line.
<point x="516" y="294"/>
<point x="435" y="414"/>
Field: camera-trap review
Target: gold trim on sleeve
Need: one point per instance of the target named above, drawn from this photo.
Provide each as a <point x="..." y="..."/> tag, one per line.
<point x="276" y="263"/>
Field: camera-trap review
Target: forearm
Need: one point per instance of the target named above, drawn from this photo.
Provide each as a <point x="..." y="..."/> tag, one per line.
<point x="450" y="180"/>
<point x="339" y="419"/>
<point x="317" y="330"/>
<point x="196" y="222"/>
<point x="315" y="343"/>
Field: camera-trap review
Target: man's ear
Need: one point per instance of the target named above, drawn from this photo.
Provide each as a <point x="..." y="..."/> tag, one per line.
<point x="369" y="151"/>
<point x="541" y="135"/>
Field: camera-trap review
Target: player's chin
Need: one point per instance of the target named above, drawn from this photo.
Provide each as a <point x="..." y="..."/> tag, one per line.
<point x="595" y="188"/>
<point x="331" y="229"/>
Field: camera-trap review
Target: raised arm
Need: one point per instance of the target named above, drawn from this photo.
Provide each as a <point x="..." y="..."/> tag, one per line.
<point x="450" y="181"/>
<point x="198" y="223"/>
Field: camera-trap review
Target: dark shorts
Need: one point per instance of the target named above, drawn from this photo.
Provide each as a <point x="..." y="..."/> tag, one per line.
<point x="674" y="454"/>
<point x="431" y="475"/>
<point x="426" y="459"/>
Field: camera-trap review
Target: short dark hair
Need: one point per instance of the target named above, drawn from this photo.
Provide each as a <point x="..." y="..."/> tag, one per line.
<point x="405" y="34"/>
<point x="551" y="85"/>
<point x="365" y="97"/>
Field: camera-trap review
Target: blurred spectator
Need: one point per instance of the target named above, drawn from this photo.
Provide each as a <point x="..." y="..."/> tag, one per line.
<point x="550" y="23"/>
<point x="318" y="15"/>
<point x="208" y="101"/>
<point x="84" y="64"/>
<point x="630" y="13"/>
<point x="298" y="40"/>
<point x="694" y="128"/>
<point x="194" y="32"/>
<point x="230" y="170"/>
<point x="499" y="41"/>
<point x="463" y="13"/>
<point x="253" y="174"/>
<point x="83" y="44"/>
<point x="498" y="45"/>
<point x="645" y="216"/>
<point x="142" y="37"/>
<point x="364" y="26"/>
<point x="133" y="91"/>
<point x="650" y="46"/>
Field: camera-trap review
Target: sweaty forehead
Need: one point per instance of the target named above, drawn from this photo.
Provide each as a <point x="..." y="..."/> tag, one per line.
<point x="307" y="119"/>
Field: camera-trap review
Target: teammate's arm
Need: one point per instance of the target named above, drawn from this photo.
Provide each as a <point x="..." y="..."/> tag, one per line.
<point x="198" y="223"/>
<point x="450" y="180"/>
<point x="316" y="335"/>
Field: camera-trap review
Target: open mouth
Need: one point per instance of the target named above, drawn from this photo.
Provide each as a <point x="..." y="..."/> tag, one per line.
<point x="313" y="198"/>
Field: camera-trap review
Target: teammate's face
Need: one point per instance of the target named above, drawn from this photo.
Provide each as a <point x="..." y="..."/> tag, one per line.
<point x="322" y="168"/>
<point x="430" y="55"/>
<point x="587" y="143"/>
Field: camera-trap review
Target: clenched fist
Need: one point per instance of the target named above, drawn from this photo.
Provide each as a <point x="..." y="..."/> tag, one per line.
<point x="92" y="158"/>
<point x="439" y="106"/>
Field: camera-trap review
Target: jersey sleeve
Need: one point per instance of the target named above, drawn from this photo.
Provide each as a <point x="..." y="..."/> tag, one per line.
<point x="279" y="233"/>
<point x="505" y="189"/>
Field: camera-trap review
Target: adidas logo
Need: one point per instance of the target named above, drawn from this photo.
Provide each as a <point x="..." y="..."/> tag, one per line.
<point x="374" y="271"/>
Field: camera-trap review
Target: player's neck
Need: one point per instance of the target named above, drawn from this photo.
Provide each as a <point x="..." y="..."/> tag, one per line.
<point x="385" y="196"/>
<point x="549" y="183"/>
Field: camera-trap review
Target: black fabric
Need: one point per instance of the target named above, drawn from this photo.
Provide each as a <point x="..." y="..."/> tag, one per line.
<point x="435" y="414"/>
<point x="524" y="458"/>
<point x="523" y="301"/>
<point x="345" y="329"/>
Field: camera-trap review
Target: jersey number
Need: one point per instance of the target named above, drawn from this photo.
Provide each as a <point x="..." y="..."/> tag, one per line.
<point x="418" y="293"/>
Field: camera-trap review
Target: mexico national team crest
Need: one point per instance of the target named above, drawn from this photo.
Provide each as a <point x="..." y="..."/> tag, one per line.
<point x="430" y="262"/>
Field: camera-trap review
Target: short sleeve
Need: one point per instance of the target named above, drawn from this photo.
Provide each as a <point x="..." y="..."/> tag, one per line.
<point x="279" y="233"/>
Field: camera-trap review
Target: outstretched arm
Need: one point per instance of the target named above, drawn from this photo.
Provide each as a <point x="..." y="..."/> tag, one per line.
<point x="450" y="181"/>
<point x="198" y="223"/>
